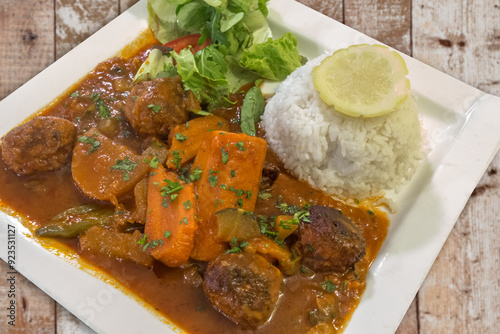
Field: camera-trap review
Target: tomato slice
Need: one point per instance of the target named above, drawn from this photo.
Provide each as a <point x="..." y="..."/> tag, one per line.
<point x="187" y="41"/>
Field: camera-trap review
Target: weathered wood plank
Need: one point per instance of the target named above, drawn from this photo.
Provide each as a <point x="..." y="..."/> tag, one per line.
<point x="461" y="291"/>
<point x="26" y="41"/>
<point x="331" y="8"/>
<point x="26" y="48"/>
<point x="461" y="38"/>
<point x="34" y="309"/>
<point x="386" y="21"/>
<point x="75" y="21"/>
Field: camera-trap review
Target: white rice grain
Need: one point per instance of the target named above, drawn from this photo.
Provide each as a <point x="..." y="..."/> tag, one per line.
<point x="341" y="155"/>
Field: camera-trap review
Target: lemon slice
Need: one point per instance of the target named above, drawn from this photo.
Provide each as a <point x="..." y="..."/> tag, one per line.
<point x="362" y="80"/>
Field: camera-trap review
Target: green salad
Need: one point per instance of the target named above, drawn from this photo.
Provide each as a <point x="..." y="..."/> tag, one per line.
<point x="218" y="46"/>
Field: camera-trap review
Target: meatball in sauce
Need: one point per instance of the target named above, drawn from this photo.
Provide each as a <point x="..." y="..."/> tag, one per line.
<point x="43" y="144"/>
<point x="153" y="107"/>
<point x="244" y="286"/>
<point x="330" y="242"/>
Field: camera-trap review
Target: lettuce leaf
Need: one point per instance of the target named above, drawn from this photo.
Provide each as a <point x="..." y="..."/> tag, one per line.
<point x="241" y="51"/>
<point x="192" y="16"/>
<point x="162" y="20"/>
<point x="274" y="59"/>
<point x="157" y="65"/>
<point x="205" y="75"/>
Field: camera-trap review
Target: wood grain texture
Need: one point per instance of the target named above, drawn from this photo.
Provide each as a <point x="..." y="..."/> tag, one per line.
<point x="461" y="38"/>
<point x="35" y="311"/>
<point x="331" y="8"/>
<point x="26" y="41"/>
<point x="460" y="294"/>
<point x="75" y="21"/>
<point x="385" y="20"/>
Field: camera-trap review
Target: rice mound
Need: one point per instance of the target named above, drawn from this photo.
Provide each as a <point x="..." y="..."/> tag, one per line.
<point x="342" y="155"/>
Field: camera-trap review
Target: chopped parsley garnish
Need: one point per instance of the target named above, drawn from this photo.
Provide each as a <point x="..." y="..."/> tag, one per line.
<point x="94" y="96"/>
<point x="220" y="124"/>
<point x="143" y="240"/>
<point x="92" y="141"/>
<point x="99" y="103"/>
<point x="177" y="159"/>
<point x="328" y="286"/>
<point x="241" y="146"/>
<point x="310" y="248"/>
<point x="180" y="137"/>
<point x="126" y="166"/>
<point x="187" y="125"/>
<point x="156" y="143"/>
<point x="187" y="205"/>
<point x="171" y="190"/>
<point x="134" y="98"/>
<point x="297" y="218"/>
<point x="225" y="156"/>
<point x="235" y="247"/>
<point x="156" y="108"/>
<point x="239" y="202"/>
<point x="74" y="94"/>
<point x="153" y="163"/>
<point x="188" y="178"/>
<point x="264" y="229"/>
<point x="103" y="109"/>
<point x="126" y="134"/>
<point x="239" y="192"/>
<point x="233" y="173"/>
<point x="183" y="221"/>
<point x="371" y="213"/>
<point x="289" y="209"/>
<point x="153" y="243"/>
<point x="212" y="179"/>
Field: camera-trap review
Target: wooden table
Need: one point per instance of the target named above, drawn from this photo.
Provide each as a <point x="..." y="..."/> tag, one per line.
<point x="462" y="38"/>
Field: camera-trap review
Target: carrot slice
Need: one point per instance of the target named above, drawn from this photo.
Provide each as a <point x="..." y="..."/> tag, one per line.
<point x="231" y="165"/>
<point x="186" y="138"/>
<point x="170" y="222"/>
<point x="104" y="169"/>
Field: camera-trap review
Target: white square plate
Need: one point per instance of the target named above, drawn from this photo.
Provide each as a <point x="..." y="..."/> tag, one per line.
<point x="461" y="125"/>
